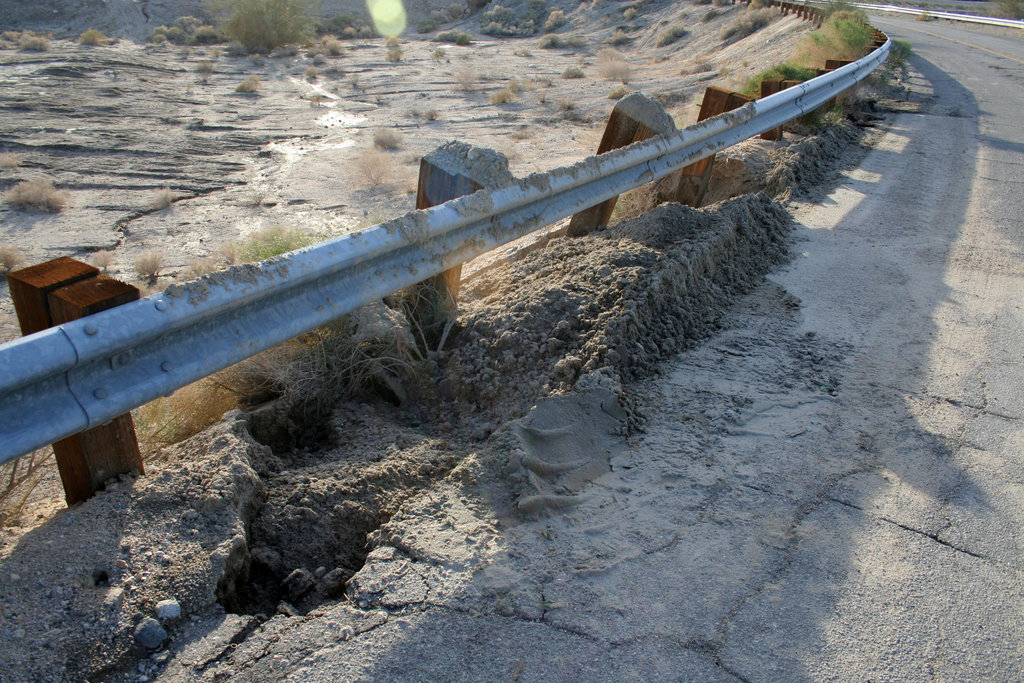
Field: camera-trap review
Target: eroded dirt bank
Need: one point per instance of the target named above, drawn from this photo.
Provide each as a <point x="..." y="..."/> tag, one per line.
<point x="257" y="546"/>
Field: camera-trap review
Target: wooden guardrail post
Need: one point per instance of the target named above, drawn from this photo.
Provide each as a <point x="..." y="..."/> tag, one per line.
<point x="694" y="179"/>
<point x="452" y="170"/>
<point x="57" y="292"/>
<point x="770" y="86"/>
<point x="633" y="119"/>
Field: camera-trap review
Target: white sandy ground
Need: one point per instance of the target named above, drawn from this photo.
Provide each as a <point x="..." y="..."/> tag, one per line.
<point x="828" y="488"/>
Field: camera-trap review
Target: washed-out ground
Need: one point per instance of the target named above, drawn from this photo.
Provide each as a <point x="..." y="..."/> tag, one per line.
<point x="708" y="437"/>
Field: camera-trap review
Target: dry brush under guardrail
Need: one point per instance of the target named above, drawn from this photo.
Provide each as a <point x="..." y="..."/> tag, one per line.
<point x="77" y="378"/>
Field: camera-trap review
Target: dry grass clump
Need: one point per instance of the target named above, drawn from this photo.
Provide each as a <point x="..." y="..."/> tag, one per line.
<point x="102" y="259"/>
<point x="629" y="14"/>
<point x="467" y="77"/>
<point x="374" y="167"/>
<point x="162" y="198"/>
<point x="200" y="266"/>
<point x="93" y="37"/>
<point x="671" y="35"/>
<point x="18" y="478"/>
<point x="613" y="66"/>
<point x="185" y="413"/>
<point x="147" y="265"/>
<point x="385" y="138"/>
<point x="392" y="41"/>
<point x="551" y="42"/>
<point x="573" y="72"/>
<point x="30" y="42"/>
<point x="503" y="96"/>
<point x="618" y="93"/>
<point x="394" y="54"/>
<point x="10" y="258"/>
<point x="748" y="23"/>
<point x="711" y="15"/>
<point x="37" y="195"/>
<point x="9" y="160"/>
<point x="251" y="84"/>
<point x="620" y="37"/>
<point x="273" y="241"/>
<point x="205" y="68"/>
<point x="431" y="115"/>
<point x="312" y="74"/>
<point x="453" y="36"/>
<point x="227" y="253"/>
<point x="332" y="46"/>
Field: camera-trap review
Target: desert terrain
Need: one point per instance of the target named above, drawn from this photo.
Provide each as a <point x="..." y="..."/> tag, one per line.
<point x="628" y="463"/>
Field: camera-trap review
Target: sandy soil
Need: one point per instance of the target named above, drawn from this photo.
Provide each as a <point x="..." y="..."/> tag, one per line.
<point x="512" y="442"/>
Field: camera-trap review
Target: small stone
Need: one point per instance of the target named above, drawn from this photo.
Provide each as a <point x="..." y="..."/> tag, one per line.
<point x="298" y="583"/>
<point x="168" y="609"/>
<point x="150" y="634"/>
<point x="18" y="633"/>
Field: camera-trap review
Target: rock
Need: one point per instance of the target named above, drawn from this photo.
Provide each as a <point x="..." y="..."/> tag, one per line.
<point x="167" y="610"/>
<point x="333" y="582"/>
<point x="150" y="634"/>
<point x="298" y="583"/>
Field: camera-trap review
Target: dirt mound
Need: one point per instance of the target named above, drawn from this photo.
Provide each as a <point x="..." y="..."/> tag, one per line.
<point x="615" y="303"/>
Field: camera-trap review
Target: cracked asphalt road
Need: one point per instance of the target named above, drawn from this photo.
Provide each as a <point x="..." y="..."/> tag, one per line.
<point x="830" y="488"/>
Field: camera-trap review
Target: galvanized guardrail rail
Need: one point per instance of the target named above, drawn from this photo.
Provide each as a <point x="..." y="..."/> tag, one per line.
<point x="81" y="374"/>
<point x="938" y="14"/>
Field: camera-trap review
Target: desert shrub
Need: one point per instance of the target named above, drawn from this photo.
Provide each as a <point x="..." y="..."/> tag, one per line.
<point x="227" y="253"/>
<point x="613" y="66"/>
<point x="394" y="54"/>
<point x="748" y="23"/>
<point x="573" y="72"/>
<point x="710" y="16"/>
<point x="20" y="477"/>
<point x="33" y="43"/>
<point x="272" y="241"/>
<point x="629" y="14"/>
<point x="9" y="160"/>
<point x="251" y="84"/>
<point x="332" y="46"/>
<point x="162" y="198"/>
<point x="555" y="21"/>
<point x="147" y="265"/>
<point x="158" y="37"/>
<point x="426" y="26"/>
<point x="552" y="41"/>
<point x="671" y="35"/>
<point x="620" y="37"/>
<point x="453" y="36"/>
<point x="266" y="24"/>
<point x="786" y="71"/>
<point x="1011" y="9"/>
<point x="618" y="93"/>
<point x="373" y="167"/>
<point x="503" y="96"/>
<point x="438" y="53"/>
<point x="312" y="73"/>
<point x="502" y="21"/>
<point x="102" y="259"/>
<point x="844" y="35"/>
<point x="206" y="35"/>
<point x="10" y="258"/>
<point x="392" y="41"/>
<point x="431" y="115"/>
<point x="185" y="413"/>
<point x="204" y="68"/>
<point x="93" y="37"/>
<point x="37" y="195"/>
<point x="899" y="53"/>
<point x="385" y="138"/>
<point x="467" y="77"/>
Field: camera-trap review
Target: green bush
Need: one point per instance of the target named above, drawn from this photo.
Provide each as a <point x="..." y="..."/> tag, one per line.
<point x="453" y="36"/>
<point x="266" y="24"/>
<point x="787" y="72"/>
<point x="502" y="21"/>
<point x="273" y="241"/>
<point x="573" y="72"/>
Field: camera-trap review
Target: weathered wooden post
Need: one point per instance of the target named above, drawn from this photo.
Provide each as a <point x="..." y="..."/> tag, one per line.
<point x="57" y="292"/>
<point x="633" y="119"/>
<point x="450" y="171"/>
<point x="770" y="86"/>
<point x="694" y="179"/>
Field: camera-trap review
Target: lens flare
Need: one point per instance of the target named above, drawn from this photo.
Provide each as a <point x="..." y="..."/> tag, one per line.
<point x="388" y="16"/>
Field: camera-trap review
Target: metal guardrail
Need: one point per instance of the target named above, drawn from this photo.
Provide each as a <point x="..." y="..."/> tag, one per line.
<point x="970" y="18"/>
<point x="81" y="374"/>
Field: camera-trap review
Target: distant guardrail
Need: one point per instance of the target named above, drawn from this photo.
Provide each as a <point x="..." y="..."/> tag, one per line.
<point x="938" y="14"/>
<point x="84" y="373"/>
